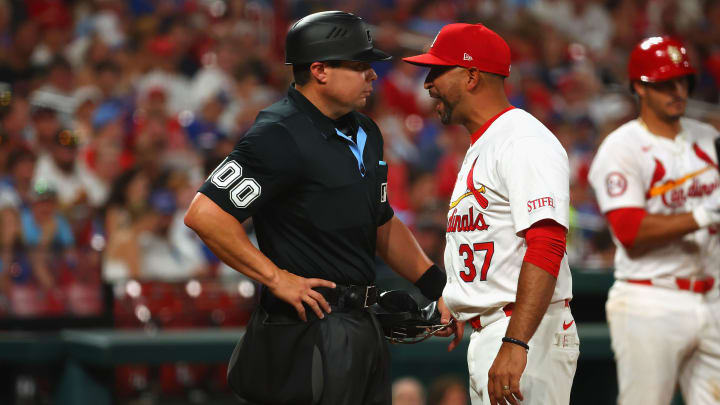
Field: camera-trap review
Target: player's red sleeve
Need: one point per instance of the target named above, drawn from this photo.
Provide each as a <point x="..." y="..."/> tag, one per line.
<point x="546" y="246"/>
<point x="625" y="223"/>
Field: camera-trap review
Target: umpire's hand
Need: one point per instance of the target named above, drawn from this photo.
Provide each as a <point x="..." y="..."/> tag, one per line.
<point x="295" y="290"/>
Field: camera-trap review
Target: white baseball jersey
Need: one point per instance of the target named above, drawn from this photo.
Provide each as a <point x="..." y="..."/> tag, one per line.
<point x="514" y="175"/>
<point x="634" y="168"/>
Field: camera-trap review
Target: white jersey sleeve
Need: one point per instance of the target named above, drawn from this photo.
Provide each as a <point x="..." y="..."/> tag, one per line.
<point x="616" y="176"/>
<point x="537" y="176"/>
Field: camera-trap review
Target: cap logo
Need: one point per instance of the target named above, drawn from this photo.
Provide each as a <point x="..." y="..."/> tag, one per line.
<point x="368" y="36"/>
<point x="674" y="54"/>
<point x="467" y="57"/>
<point x="433" y="42"/>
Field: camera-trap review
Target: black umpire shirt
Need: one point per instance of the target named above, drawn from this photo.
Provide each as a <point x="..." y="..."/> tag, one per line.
<point x="316" y="189"/>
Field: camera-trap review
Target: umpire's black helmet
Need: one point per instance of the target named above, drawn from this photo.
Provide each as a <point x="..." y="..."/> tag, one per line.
<point x="330" y="35"/>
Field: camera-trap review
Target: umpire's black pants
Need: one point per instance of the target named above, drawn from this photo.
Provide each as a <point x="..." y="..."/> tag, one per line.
<point x="350" y="359"/>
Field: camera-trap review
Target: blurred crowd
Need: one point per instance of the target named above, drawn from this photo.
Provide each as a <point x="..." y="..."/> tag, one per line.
<point x="444" y="390"/>
<point x="113" y="113"/>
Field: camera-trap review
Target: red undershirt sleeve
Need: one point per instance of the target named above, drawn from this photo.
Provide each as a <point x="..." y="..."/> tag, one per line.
<point x="546" y="246"/>
<point x="625" y="223"/>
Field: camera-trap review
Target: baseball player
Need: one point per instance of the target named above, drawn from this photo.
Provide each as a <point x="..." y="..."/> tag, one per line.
<point x="507" y="272"/>
<point x="656" y="182"/>
<point x="311" y="175"/>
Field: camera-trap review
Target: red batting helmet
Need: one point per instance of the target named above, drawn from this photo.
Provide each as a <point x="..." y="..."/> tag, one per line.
<point x="657" y="59"/>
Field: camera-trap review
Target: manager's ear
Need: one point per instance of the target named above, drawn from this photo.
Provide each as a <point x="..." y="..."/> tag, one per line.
<point x="473" y="78"/>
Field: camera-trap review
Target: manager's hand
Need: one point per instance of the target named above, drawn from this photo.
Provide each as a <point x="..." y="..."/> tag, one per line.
<point x="455" y="327"/>
<point x="504" y="375"/>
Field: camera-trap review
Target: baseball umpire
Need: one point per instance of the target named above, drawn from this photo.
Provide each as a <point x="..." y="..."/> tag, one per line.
<point x="310" y="173"/>
<point x="657" y="183"/>
<point x="508" y="275"/>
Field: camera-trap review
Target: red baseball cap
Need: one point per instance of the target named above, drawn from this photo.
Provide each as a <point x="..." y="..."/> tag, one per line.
<point x="467" y="45"/>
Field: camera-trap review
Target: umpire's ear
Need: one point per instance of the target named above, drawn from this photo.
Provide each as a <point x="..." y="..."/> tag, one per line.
<point x="317" y="71"/>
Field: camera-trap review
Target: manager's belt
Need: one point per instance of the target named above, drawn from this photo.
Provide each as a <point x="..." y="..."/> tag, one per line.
<point x="701" y="286"/>
<point x="478" y="322"/>
<point x="351" y="296"/>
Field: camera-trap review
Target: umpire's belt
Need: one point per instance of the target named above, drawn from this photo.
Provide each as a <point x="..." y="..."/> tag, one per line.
<point x="350" y="297"/>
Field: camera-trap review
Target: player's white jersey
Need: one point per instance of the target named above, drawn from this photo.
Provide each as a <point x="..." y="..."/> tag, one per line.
<point x="634" y="168"/>
<point x="514" y="175"/>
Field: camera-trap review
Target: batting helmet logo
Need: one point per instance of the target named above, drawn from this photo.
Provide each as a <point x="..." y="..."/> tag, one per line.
<point x="674" y="54"/>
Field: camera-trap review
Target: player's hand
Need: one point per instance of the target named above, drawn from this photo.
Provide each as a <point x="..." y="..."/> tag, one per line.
<point x="455" y="327"/>
<point x="708" y="212"/>
<point x="296" y="290"/>
<point x="506" y="371"/>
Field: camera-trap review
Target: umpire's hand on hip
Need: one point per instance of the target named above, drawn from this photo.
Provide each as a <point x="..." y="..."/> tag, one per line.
<point x="295" y="290"/>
